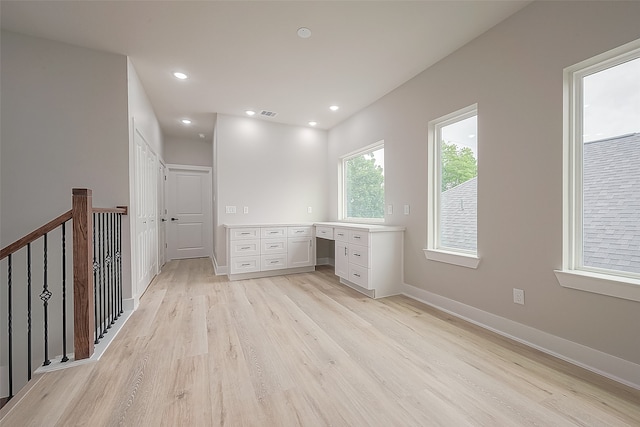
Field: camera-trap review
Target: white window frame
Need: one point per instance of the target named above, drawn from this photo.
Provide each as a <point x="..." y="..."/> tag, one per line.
<point x="342" y="193"/>
<point x="573" y="274"/>
<point x="434" y="251"/>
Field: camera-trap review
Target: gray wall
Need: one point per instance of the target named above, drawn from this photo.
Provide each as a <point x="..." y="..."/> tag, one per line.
<point x="193" y="152"/>
<point x="63" y="125"/>
<point x="277" y="171"/>
<point x="515" y="74"/>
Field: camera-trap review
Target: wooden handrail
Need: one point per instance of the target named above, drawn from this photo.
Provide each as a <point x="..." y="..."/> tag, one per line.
<point x="119" y="209"/>
<point x="34" y="235"/>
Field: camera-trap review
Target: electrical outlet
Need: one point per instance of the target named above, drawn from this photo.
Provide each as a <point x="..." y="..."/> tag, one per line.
<point x="246" y="209"/>
<point x="407" y="209"/>
<point x="518" y="296"/>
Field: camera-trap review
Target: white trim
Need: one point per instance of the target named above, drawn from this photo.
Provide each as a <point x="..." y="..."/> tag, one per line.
<point x="601" y="363"/>
<point x="433" y="190"/>
<point x="342" y="206"/>
<point x="131" y="304"/>
<point x="175" y="166"/>
<point x="604" y="284"/>
<point x="98" y="350"/>
<point x="573" y="275"/>
<point x="455" y="258"/>
<point x="325" y="261"/>
<point x="219" y="270"/>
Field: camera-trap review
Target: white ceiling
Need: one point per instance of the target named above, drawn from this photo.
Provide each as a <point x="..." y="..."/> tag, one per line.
<point x="246" y="55"/>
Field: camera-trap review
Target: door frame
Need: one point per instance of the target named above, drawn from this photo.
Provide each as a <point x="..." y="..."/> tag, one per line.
<point x="171" y="167"/>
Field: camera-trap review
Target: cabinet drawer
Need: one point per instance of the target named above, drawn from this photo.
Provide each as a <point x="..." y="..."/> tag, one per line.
<point x="273" y="246"/>
<point x="324" y="232"/>
<point x="245" y="248"/>
<point x="359" y="237"/>
<point x="273" y="262"/>
<point x="359" y="255"/>
<point x="300" y="231"/>
<point x="247" y="264"/>
<point x="244" y="233"/>
<point x="341" y="235"/>
<point x="359" y="275"/>
<point x="274" y="232"/>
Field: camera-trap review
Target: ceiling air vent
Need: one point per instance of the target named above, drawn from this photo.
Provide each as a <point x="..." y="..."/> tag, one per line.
<point x="265" y="113"/>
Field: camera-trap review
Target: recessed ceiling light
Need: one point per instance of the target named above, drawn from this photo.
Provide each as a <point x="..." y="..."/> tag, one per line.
<point x="250" y="112"/>
<point x="312" y="123"/>
<point x="304" y="32"/>
<point x="334" y="108"/>
<point x="179" y="75"/>
<point x="186" y="121"/>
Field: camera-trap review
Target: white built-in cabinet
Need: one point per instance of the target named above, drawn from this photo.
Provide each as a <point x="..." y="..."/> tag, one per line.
<point x="368" y="258"/>
<point x="268" y="250"/>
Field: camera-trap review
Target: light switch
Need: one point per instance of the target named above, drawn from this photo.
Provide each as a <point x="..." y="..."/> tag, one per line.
<point x="246" y="209"/>
<point x="230" y="209"/>
<point x="389" y="209"/>
<point x="309" y="210"/>
<point x="407" y="209"/>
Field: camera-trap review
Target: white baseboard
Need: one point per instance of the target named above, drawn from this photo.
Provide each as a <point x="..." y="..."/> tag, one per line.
<point x="219" y="270"/>
<point x="130" y="304"/>
<point x="601" y="363"/>
<point x="98" y="350"/>
<point x="325" y="261"/>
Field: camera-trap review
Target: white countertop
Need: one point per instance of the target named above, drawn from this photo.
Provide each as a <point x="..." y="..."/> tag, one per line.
<point x="372" y="228"/>
<point x="269" y="225"/>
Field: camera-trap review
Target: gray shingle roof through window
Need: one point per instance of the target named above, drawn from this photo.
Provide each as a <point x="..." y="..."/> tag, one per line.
<point x="611" y="206"/>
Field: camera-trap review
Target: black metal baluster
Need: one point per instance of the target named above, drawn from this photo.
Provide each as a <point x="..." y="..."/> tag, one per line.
<point x="112" y="265"/>
<point x="9" y="307"/>
<point x="110" y="261"/>
<point x="96" y="267"/>
<point x="64" y="296"/>
<point x="44" y="296"/>
<point x="119" y="255"/>
<point x="104" y="274"/>
<point x="103" y="312"/>
<point x="29" y="344"/>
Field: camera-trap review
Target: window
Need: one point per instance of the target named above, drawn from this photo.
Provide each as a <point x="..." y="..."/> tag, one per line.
<point x="602" y="174"/>
<point x="363" y="184"/>
<point x="453" y="188"/>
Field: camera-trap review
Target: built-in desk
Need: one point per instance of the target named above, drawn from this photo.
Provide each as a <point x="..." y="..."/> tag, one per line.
<point x="368" y="258"/>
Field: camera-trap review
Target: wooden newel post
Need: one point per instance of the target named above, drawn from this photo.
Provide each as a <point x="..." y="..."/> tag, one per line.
<point x="83" y="310"/>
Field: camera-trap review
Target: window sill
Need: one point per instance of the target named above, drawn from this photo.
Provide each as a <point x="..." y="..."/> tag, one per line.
<point x="462" y="260"/>
<point x="603" y="284"/>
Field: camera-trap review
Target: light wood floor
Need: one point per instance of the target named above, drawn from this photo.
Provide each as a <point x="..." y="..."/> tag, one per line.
<point x="303" y="350"/>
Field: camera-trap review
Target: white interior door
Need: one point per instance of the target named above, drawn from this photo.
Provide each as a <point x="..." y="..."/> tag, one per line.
<point x="162" y="215"/>
<point x="189" y="202"/>
<point x="146" y="253"/>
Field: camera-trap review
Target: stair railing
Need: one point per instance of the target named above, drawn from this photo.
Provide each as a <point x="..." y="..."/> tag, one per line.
<point x="96" y="300"/>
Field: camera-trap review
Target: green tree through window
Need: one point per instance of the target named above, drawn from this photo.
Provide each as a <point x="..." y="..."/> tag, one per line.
<point x="364" y="185"/>
<point x="458" y="165"/>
